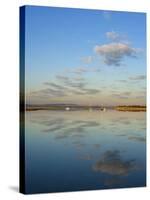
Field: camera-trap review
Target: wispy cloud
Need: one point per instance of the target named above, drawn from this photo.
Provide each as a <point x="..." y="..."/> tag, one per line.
<point x="79" y="85"/>
<point x="52" y="92"/>
<point x="112" y="35"/>
<point x="87" y="59"/>
<point x="83" y="70"/>
<point x="137" y="78"/>
<point x="63" y="78"/>
<point x="122" y="81"/>
<point x="65" y="86"/>
<point x="140" y="97"/>
<point x="78" y="78"/>
<point x="126" y="93"/>
<point x="54" y="85"/>
<point x="114" y="53"/>
<point x="91" y="91"/>
<point x="80" y="70"/>
<point x="116" y="37"/>
<point x="119" y="96"/>
<point x="122" y="95"/>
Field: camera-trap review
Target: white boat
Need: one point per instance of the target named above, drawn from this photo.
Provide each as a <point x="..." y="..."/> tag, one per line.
<point x="103" y="109"/>
<point x="67" y="108"/>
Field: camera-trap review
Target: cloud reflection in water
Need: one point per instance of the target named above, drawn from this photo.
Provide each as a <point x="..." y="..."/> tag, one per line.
<point x="112" y="163"/>
<point x="100" y="144"/>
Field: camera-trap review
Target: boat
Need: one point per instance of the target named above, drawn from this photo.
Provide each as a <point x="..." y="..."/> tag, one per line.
<point x="103" y="109"/>
<point x="67" y="108"/>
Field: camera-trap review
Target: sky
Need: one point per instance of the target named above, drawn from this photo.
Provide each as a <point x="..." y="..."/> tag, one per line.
<point x="87" y="57"/>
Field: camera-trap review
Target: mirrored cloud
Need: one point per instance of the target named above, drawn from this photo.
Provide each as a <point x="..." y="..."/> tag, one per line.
<point x="97" y="145"/>
<point x="114" y="181"/>
<point x="56" y="128"/>
<point x="112" y="163"/>
<point x="86" y="157"/>
<point x="137" y="138"/>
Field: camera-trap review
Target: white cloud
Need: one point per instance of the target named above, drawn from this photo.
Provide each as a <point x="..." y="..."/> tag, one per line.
<point x="113" y="35"/>
<point x="137" y="78"/>
<point x="87" y="59"/>
<point x="82" y="70"/>
<point x="114" y="53"/>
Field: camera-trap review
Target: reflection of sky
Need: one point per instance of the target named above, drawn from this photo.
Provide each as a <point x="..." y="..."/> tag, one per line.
<point x="112" y="163"/>
<point x="84" y="150"/>
<point x="81" y="56"/>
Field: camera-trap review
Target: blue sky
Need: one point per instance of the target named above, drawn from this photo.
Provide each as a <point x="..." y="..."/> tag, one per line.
<point x="85" y="56"/>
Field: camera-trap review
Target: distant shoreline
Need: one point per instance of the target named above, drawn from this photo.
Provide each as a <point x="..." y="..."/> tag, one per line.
<point x="125" y="108"/>
<point x="131" y="108"/>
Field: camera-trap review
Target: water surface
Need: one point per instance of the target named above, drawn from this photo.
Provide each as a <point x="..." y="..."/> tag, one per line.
<point x="82" y="150"/>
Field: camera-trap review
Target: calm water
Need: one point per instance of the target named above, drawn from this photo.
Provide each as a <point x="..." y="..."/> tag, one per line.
<point x="82" y="150"/>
